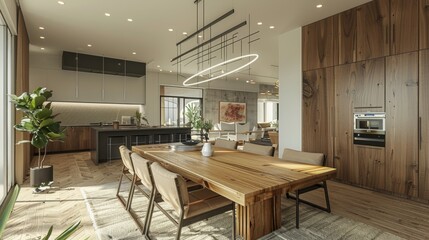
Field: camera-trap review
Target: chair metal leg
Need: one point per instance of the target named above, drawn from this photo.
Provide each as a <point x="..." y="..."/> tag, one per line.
<point x="297" y="209"/>
<point x="328" y="204"/>
<point x="179" y="226"/>
<point x="131" y="193"/>
<point x="149" y="215"/>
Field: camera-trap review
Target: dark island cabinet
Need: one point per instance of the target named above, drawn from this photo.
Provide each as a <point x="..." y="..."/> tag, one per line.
<point x="105" y="141"/>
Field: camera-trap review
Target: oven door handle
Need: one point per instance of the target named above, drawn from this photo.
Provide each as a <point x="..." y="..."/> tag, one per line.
<point x="369" y="139"/>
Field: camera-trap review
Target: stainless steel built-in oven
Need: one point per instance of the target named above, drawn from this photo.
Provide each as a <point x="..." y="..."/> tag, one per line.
<point x="369" y="129"/>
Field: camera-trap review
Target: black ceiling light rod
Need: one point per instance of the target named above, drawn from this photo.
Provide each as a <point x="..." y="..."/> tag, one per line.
<point x="211" y="40"/>
<point x="207" y="26"/>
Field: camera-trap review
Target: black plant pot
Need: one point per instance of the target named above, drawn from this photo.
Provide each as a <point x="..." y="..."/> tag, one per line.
<point x="44" y="174"/>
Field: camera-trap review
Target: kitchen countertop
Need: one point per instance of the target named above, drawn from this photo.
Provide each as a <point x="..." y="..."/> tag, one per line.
<point x="133" y="128"/>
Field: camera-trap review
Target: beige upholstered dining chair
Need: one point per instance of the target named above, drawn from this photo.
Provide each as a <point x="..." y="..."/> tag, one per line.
<point x="190" y="207"/>
<point x="223" y="143"/>
<point x="241" y="132"/>
<point x="258" y="149"/>
<point x="128" y="172"/>
<point x="144" y="183"/>
<point x="307" y="158"/>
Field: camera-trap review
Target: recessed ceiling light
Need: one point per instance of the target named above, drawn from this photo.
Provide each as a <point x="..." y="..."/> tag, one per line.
<point x="134" y="53"/>
<point x="160" y="70"/>
<point x="319" y="5"/>
<point x="42" y="37"/>
<point x="158" y="66"/>
<point x="200" y="36"/>
<point x="259" y="23"/>
<point x="236" y="78"/>
<point x="171" y="71"/>
<point x="170" y="29"/>
<point x="271" y="27"/>
<point x="41" y="28"/>
<point x="89" y="45"/>
<point x="247" y="81"/>
<point x="107" y="14"/>
<point x="129" y="20"/>
<point x="184" y="33"/>
<point x="61" y="2"/>
<point x="42" y="48"/>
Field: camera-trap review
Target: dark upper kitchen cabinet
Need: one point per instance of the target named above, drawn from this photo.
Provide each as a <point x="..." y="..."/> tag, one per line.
<point x="345" y="79"/>
<point x="317" y="44"/>
<point x="318" y="112"/>
<point x="371" y="166"/>
<point x="424" y="125"/>
<point x="373" y="30"/>
<point x="370" y="86"/>
<point x="404" y="26"/>
<point x="345" y="40"/>
<point x="402" y="124"/>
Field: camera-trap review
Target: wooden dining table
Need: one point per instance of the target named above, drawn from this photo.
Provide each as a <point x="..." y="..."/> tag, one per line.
<point x="256" y="183"/>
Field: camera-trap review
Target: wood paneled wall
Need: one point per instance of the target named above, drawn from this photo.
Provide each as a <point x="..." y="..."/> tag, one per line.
<point x="22" y="151"/>
<point x="376" y="62"/>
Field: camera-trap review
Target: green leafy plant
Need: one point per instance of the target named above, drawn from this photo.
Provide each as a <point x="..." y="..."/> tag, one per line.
<point x="205" y="126"/>
<point x="193" y="113"/>
<point x="64" y="235"/>
<point x="139" y="117"/>
<point x="7" y="208"/>
<point x="38" y="120"/>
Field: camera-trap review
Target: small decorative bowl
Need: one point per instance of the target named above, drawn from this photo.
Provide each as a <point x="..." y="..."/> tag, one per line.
<point x="191" y="142"/>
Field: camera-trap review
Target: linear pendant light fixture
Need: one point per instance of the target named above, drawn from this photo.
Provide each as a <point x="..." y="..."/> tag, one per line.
<point x="203" y="53"/>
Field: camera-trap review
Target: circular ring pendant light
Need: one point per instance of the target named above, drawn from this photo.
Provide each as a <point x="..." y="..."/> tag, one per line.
<point x="254" y="55"/>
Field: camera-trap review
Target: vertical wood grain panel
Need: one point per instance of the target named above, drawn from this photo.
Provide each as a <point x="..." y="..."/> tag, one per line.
<point x="317" y="47"/>
<point x="371" y="163"/>
<point x="402" y="124"/>
<point x="318" y="102"/>
<point x="22" y="151"/>
<point x="404" y="26"/>
<point x="370" y="89"/>
<point x="423" y="24"/>
<point x="373" y="30"/>
<point x="345" y="80"/>
<point x="424" y="125"/>
<point x="347" y="37"/>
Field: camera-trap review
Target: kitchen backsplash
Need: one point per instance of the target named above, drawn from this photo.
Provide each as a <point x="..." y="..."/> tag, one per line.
<point x="74" y="114"/>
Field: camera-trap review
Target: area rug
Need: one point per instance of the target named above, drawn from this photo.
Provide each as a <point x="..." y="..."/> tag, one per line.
<point x="111" y="221"/>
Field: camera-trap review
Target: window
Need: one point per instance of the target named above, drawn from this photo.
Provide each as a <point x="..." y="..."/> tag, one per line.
<point x="175" y="102"/>
<point x="6" y="110"/>
<point x="268" y="111"/>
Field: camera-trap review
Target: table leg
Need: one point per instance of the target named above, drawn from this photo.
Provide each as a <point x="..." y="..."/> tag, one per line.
<point x="259" y="218"/>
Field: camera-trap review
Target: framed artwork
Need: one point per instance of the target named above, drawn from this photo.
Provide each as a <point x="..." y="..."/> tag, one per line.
<point x="232" y="112"/>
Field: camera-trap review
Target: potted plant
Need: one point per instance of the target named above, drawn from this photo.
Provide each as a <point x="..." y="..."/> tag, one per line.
<point x="139" y="117"/>
<point x="39" y="121"/>
<point x="193" y="113"/>
<point x="205" y="126"/>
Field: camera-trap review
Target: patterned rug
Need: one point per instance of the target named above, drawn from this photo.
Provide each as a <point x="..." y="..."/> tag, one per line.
<point x="111" y="221"/>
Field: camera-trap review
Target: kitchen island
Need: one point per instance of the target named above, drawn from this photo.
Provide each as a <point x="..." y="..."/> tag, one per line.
<point x="105" y="140"/>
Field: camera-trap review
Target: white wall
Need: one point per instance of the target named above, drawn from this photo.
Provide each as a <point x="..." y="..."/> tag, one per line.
<point x="9" y="12"/>
<point x="290" y="91"/>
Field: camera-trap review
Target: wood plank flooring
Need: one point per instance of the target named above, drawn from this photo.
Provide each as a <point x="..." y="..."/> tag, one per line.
<point x="35" y="213"/>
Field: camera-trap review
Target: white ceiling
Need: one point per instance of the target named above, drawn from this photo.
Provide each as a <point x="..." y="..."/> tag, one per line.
<point x="77" y="23"/>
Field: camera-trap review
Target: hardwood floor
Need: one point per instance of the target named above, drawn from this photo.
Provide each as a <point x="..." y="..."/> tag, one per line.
<point x="35" y="213"/>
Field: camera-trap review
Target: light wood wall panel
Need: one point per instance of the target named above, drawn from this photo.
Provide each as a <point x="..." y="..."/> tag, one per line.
<point x="345" y="84"/>
<point x="401" y="124"/>
<point x="22" y="151"/>
<point x="424" y="125"/>
<point x="404" y="26"/>
<point x="318" y="115"/>
<point x="373" y="30"/>
<point x="346" y="37"/>
<point x="317" y="44"/>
